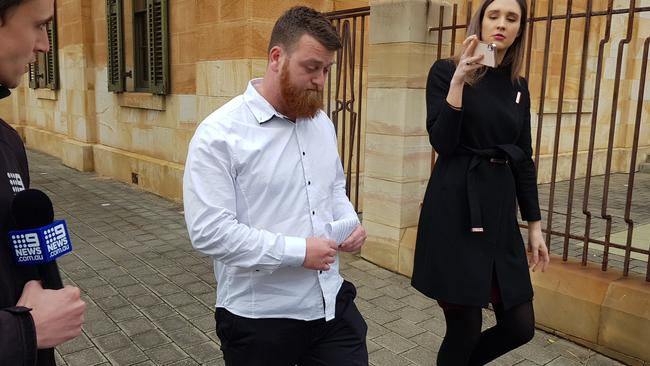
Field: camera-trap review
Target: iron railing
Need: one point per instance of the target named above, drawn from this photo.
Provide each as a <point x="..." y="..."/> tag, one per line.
<point x="344" y="93"/>
<point x="603" y="164"/>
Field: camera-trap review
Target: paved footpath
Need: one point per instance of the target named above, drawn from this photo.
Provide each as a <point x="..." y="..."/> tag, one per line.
<point x="150" y="296"/>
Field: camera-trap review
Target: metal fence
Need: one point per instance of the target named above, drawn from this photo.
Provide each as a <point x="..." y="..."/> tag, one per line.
<point x="344" y="93"/>
<point x="596" y="205"/>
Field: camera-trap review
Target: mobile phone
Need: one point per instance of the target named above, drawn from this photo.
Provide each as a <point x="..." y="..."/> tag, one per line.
<point x="489" y="52"/>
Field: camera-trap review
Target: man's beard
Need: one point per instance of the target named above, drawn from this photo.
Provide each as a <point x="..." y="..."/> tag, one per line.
<point x="301" y="103"/>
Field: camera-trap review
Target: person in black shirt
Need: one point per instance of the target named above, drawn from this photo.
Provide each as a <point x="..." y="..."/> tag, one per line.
<point x="469" y="250"/>
<point x="32" y="319"/>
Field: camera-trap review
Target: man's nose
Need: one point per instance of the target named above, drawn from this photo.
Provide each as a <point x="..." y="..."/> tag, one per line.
<point x="42" y="43"/>
<point x="320" y="79"/>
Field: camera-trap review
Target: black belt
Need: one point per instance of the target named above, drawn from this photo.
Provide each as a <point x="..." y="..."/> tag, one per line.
<point x="501" y="154"/>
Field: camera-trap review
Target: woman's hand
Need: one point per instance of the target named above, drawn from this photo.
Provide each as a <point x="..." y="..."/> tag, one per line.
<point x="538" y="252"/>
<point x="468" y="63"/>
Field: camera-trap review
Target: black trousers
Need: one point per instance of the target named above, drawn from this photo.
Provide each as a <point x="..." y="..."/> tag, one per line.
<point x="289" y="342"/>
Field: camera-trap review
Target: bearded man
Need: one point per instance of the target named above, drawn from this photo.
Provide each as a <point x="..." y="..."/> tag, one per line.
<point x="264" y="195"/>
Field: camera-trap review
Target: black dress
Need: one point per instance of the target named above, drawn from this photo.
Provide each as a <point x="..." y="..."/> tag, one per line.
<point x="468" y="226"/>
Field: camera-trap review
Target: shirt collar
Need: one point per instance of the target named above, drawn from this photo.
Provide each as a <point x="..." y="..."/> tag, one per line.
<point x="261" y="108"/>
<point x="4" y="92"/>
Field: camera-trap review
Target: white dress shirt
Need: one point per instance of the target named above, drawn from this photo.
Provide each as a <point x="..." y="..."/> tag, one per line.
<point x="256" y="185"/>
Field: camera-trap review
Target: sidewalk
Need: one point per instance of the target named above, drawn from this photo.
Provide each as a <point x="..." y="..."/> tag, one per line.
<point x="150" y="296"/>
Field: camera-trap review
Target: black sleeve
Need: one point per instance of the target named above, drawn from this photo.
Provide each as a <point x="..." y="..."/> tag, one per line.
<point x="525" y="172"/>
<point x="443" y="121"/>
<point x="17" y="337"/>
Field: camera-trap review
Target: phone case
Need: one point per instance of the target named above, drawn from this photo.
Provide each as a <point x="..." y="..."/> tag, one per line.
<point x="488" y="50"/>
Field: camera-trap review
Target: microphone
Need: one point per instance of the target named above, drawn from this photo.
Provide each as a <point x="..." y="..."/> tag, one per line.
<point x="38" y="239"/>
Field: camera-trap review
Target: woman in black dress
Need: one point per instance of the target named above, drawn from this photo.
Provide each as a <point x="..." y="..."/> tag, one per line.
<point x="469" y="249"/>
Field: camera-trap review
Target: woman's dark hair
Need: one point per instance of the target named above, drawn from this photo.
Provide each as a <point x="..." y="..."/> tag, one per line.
<point x="5" y="6"/>
<point x="300" y="20"/>
<point x="515" y="54"/>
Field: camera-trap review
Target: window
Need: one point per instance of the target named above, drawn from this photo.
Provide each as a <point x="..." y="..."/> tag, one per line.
<point x="150" y="46"/>
<point x="44" y="73"/>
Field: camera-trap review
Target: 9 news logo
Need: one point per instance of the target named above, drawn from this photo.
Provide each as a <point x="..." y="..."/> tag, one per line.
<point x="42" y="244"/>
<point x="27" y="247"/>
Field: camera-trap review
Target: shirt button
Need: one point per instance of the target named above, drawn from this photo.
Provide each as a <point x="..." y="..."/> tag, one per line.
<point x="313" y="212"/>
<point x="303" y="153"/>
<point x="308" y="182"/>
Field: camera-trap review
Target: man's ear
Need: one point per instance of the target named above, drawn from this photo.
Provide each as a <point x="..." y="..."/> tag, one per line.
<point x="276" y="55"/>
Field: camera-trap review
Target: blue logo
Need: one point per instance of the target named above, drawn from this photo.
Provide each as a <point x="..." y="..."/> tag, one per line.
<point x="41" y="245"/>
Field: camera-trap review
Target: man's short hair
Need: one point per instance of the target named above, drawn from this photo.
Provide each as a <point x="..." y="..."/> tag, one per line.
<point x="5" y="6"/>
<point x="300" y="20"/>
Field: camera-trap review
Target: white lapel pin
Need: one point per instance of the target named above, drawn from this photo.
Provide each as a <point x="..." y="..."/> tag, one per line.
<point x="518" y="97"/>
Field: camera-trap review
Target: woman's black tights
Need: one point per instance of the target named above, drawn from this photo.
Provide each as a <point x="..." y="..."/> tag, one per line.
<point x="465" y="344"/>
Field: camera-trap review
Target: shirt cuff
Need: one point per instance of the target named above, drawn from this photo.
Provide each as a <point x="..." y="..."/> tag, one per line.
<point x="295" y="249"/>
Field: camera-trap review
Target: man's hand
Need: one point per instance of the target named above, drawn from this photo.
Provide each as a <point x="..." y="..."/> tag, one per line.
<point x="58" y="314"/>
<point x="354" y="242"/>
<point x="320" y="254"/>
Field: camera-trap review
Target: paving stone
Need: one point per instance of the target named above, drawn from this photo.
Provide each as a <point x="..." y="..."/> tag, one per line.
<point x="185" y="362"/>
<point x="395" y="291"/>
<point x="384" y="357"/>
<point x="205" y="352"/>
<point x="123" y="313"/>
<point x="180" y="299"/>
<point x="58" y="359"/>
<point x="570" y="350"/>
<point x="158" y="311"/>
<point x="367" y="293"/>
<point x="380" y="315"/>
<point x="187" y="337"/>
<point x="194" y="310"/>
<point x="204" y="323"/>
<point x="394" y="342"/>
<point x="122" y="281"/>
<point x="404" y="328"/>
<point x="112" y="342"/>
<point x="533" y="351"/>
<point x="87" y="357"/>
<point x="427" y="340"/>
<point x="146" y="300"/>
<point x="133" y="290"/>
<point x="388" y="303"/>
<point x="166" y="354"/>
<point x="96" y="328"/>
<point x="165" y="289"/>
<point x="375" y="330"/>
<point x="600" y="360"/>
<point x="201" y="287"/>
<point x="417" y="301"/>
<point x="372" y="346"/>
<point x="412" y="314"/>
<point x="112" y="302"/>
<point x="75" y="345"/>
<point x="150" y="339"/>
<point x="420" y="356"/>
<point x="434" y="325"/>
<point x="509" y="359"/>
<point x="172" y="323"/>
<point x="563" y="361"/>
<point x="136" y="326"/>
